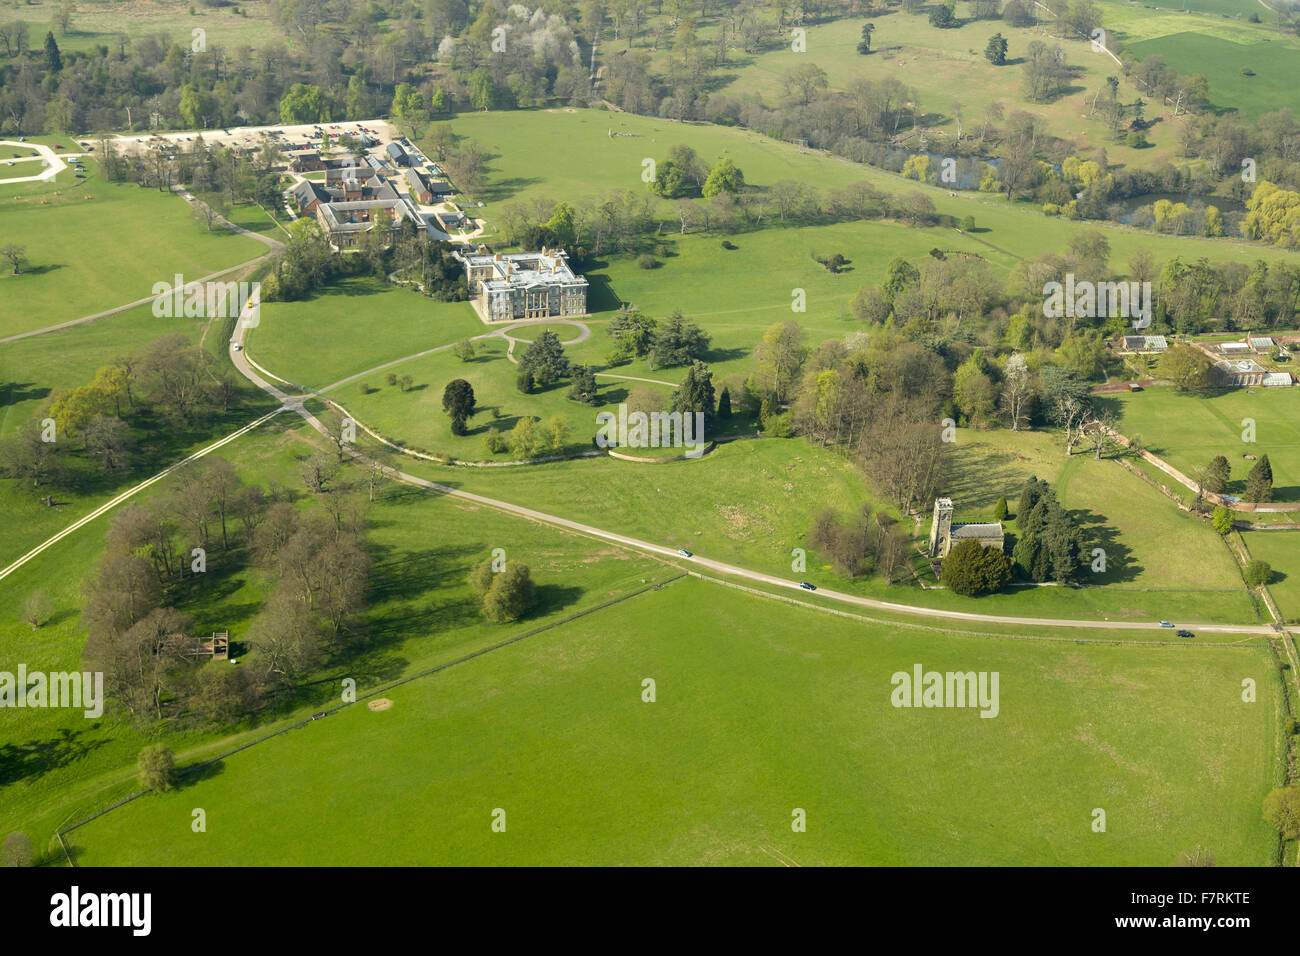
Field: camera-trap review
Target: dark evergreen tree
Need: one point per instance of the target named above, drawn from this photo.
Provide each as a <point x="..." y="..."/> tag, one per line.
<point x="696" y="393"/>
<point x="583" y="386"/>
<point x="678" y="341"/>
<point x="53" y="59"/>
<point x="1259" y="483"/>
<point x="458" y="402"/>
<point x="545" y="358"/>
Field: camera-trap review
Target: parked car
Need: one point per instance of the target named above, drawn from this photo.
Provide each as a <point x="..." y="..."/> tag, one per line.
<point x="1185" y="633"/>
<point x="807" y="587"/>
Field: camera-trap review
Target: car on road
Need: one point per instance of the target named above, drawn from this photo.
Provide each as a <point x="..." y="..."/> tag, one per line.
<point x="1165" y="624"/>
<point x="807" y="587"/>
<point x="237" y="347"/>
<point x="684" y="553"/>
<point x="1185" y="633"/>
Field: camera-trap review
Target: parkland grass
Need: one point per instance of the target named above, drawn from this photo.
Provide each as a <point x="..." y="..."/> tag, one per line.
<point x="553" y="731"/>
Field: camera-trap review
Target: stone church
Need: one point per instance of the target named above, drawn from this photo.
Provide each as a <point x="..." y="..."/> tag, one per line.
<point x="944" y="534"/>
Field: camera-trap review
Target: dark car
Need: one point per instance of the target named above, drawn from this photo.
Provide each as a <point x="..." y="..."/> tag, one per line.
<point x="807" y="587"/>
<point x="1185" y="633"/>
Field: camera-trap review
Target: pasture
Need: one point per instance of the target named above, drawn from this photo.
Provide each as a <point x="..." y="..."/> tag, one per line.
<point x="761" y="708"/>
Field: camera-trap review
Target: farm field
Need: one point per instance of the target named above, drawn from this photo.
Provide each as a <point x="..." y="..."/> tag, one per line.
<point x="553" y="731"/>
<point x="99" y="22"/>
<point x="1189" y="430"/>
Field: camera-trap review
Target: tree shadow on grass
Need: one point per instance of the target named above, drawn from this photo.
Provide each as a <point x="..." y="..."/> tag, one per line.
<point x="22" y="392"/>
<point x="552" y="598"/>
<point x="37" y="757"/>
<point x="199" y="772"/>
<point x="1120" y="564"/>
<point x="503" y="189"/>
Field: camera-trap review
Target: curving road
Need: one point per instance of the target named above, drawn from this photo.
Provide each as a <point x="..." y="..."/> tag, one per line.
<point x="295" y="403"/>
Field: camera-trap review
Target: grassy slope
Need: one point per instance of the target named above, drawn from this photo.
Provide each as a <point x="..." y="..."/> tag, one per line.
<point x="420" y="614"/>
<point x="583" y="161"/>
<point x="95" y="245"/>
<point x="760" y="709"/>
<point x="751" y="503"/>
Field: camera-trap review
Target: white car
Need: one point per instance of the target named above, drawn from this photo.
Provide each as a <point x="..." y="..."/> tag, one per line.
<point x="238" y="347"/>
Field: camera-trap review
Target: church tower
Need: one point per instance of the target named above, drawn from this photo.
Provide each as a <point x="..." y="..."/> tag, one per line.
<point x="941" y="527"/>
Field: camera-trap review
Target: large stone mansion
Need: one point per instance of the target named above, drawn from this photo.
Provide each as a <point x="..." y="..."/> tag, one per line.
<point x="524" y="285"/>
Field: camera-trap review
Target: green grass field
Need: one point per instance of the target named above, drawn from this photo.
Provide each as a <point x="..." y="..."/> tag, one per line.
<point x="1189" y="430"/>
<point x="354" y="325"/>
<point x="95" y="246"/>
<point x="761" y="708"/>
<point x="1281" y="549"/>
<point x="583" y="161"/>
<point x="750" y="503"/>
<point x="55" y="762"/>
<point x="98" y="22"/>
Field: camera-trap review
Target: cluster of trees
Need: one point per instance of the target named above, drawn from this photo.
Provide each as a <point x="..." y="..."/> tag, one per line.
<point x="505" y="594"/>
<point x="93" y="430"/>
<point x="870" y="543"/>
<point x="145" y="645"/>
<point x="1050" y="546"/>
<point x="529" y="438"/>
<point x="876" y="397"/>
<point x="1214" y="478"/>
<point x="675" y="341"/>
<point x="321" y="570"/>
<point x="211" y="522"/>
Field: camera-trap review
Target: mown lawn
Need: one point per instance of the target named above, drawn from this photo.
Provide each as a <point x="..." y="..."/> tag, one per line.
<point x="1190" y="430"/>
